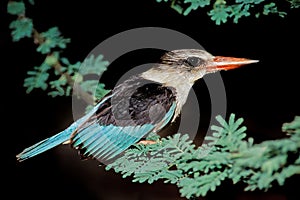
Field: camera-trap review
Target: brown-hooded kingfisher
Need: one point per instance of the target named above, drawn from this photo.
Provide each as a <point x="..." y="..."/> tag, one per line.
<point x="144" y="103"/>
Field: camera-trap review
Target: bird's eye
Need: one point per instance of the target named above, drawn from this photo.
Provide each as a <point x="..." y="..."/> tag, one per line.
<point x="194" y="61"/>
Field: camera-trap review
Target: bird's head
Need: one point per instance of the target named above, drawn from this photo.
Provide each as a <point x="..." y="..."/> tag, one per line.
<point x="190" y="65"/>
<point x="180" y="69"/>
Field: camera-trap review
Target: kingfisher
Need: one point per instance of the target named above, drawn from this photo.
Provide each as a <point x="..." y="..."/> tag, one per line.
<point x="144" y="103"/>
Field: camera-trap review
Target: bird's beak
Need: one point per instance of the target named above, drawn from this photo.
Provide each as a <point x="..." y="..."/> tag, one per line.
<point x="226" y="63"/>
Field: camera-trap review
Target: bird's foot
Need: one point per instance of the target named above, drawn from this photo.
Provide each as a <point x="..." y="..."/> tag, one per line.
<point x="147" y="142"/>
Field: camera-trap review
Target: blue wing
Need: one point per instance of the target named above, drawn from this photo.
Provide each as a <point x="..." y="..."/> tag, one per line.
<point x="105" y="142"/>
<point x="98" y="135"/>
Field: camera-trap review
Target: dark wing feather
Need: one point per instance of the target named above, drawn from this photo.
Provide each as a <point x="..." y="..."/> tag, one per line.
<point x="133" y="109"/>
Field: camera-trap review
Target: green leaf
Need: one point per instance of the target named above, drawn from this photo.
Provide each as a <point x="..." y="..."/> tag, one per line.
<point x="52" y="39"/>
<point x="223" y="10"/>
<point x="177" y="7"/>
<point x="294" y="3"/>
<point x="249" y="1"/>
<point x="31" y="2"/>
<point x="94" y="87"/>
<point x="58" y="86"/>
<point x="199" y="186"/>
<point x="22" y="27"/>
<point x="51" y="60"/>
<point x="198" y="171"/>
<point x="238" y="11"/>
<point x="65" y="61"/>
<point x="222" y="122"/>
<point x="272" y="8"/>
<point x="101" y="91"/>
<point x="68" y="90"/>
<point x="293" y="126"/>
<point x="94" y="65"/>
<point x="37" y="78"/>
<point x="273" y="164"/>
<point x="73" y="68"/>
<point x="220" y="14"/>
<point x="15" y="8"/>
<point x="195" y="4"/>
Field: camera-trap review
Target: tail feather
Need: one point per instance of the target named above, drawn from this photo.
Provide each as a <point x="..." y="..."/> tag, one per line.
<point x="46" y="144"/>
<point x="57" y="139"/>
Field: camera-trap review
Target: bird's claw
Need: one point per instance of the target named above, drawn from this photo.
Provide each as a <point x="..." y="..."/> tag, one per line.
<point x="146" y="142"/>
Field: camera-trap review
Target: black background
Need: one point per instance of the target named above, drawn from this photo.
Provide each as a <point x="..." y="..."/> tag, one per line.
<point x="264" y="94"/>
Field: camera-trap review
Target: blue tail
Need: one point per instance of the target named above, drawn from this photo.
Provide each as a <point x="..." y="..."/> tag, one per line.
<point x="57" y="139"/>
<point x="47" y="144"/>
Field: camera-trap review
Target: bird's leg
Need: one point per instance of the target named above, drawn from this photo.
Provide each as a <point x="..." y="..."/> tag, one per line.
<point x="67" y="142"/>
<point x="147" y="142"/>
<point x="150" y="139"/>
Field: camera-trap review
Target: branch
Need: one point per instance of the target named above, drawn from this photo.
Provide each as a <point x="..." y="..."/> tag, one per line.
<point x="227" y="154"/>
<point x="47" y="43"/>
<point x="220" y="10"/>
<point x="77" y="89"/>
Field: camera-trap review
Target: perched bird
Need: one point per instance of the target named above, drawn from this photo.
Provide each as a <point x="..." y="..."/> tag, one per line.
<point x="144" y="103"/>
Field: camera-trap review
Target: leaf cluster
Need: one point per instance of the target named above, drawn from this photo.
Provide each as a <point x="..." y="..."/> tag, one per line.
<point x="56" y="73"/>
<point x="22" y="26"/>
<point x="294" y="3"/>
<point x="226" y="154"/>
<point x="220" y="10"/>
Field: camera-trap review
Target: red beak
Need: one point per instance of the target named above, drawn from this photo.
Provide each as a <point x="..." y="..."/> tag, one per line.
<point x="226" y="63"/>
